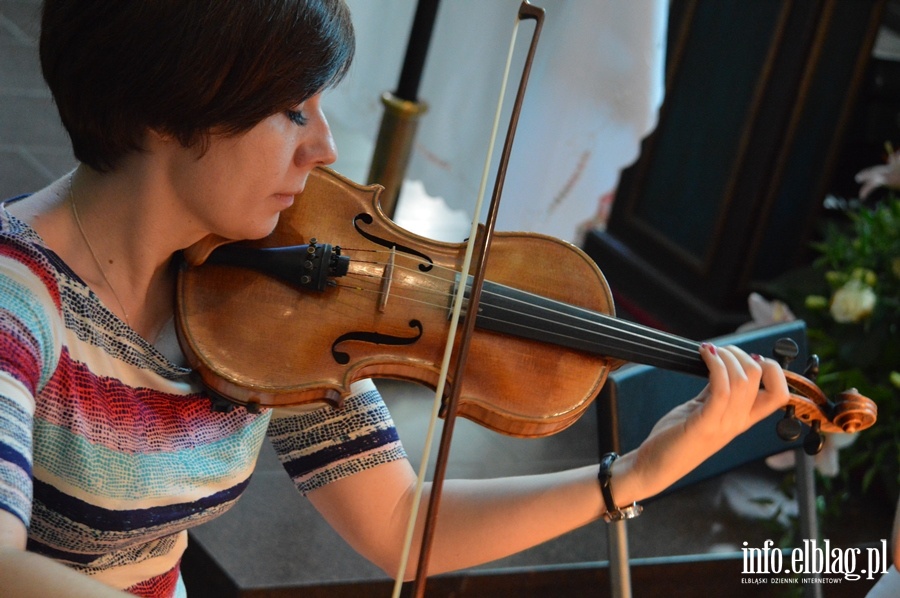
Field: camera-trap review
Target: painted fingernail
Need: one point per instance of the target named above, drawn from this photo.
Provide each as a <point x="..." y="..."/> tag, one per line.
<point x="755" y="357"/>
<point x="709" y="347"/>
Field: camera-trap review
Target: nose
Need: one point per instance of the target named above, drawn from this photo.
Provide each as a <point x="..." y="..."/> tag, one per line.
<point x="327" y="150"/>
<point x="320" y="150"/>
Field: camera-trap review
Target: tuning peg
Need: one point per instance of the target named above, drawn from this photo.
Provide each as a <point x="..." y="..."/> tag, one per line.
<point x="814" y="441"/>
<point x="812" y="368"/>
<point x="788" y="428"/>
<point x="785" y="351"/>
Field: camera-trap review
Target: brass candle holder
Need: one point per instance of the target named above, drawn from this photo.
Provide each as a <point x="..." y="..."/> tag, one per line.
<point x="394" y="146"/>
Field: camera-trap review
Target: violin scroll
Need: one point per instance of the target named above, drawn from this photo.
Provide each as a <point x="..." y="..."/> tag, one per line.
<point x="854" y="412"/>
<point x="850" y="412"/>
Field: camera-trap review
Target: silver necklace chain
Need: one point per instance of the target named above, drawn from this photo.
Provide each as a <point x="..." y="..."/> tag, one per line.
<point x="94" y="254"/>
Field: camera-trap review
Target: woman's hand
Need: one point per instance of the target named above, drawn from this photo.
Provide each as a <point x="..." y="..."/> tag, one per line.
<point x="743" y="389"/>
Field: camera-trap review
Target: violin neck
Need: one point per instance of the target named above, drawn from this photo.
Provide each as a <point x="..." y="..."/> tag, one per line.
<point x="527" y="315"/>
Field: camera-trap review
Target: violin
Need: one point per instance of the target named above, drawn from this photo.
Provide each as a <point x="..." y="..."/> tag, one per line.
<point x="338" y="292"/>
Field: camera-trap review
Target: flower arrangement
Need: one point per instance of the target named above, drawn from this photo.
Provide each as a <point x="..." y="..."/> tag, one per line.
<point x="850" y="299"/>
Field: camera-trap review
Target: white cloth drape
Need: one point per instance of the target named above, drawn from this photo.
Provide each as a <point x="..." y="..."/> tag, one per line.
<point x="595" y="89"/>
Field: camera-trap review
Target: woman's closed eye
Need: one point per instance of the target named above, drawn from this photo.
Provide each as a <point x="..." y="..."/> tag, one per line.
<point x="297" y="117"/>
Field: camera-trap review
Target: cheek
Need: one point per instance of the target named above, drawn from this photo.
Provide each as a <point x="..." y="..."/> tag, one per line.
<point x="266" y="167"/>
<point x="244" y="157"/>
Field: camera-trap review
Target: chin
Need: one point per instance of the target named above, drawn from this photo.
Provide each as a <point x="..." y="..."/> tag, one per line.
<point x="260" y="230"/>
<point x="261" y="234"/>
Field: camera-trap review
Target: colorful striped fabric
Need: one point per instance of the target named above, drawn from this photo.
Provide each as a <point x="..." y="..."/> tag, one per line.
<point x="109" y="451"/>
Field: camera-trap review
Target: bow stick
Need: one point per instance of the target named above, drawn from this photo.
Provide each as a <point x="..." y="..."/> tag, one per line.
<point x="483" y="240"/>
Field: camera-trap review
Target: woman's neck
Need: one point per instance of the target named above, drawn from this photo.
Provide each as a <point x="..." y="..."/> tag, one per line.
<point x="114" y="232"/>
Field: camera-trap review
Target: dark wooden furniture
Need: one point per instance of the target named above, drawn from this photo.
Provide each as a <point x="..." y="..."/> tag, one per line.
<point x="728" y="189"/>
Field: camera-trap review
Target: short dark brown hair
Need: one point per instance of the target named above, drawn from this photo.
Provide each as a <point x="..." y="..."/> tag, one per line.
<point x="118" y="68"/>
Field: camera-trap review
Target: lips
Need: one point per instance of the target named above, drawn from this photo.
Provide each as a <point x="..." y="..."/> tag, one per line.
<point x="290" y="194"/>
<point x="285" y="200"/>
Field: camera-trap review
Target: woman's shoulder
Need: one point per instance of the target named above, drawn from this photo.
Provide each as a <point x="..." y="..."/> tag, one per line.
<point x="30" y="217"/>
<point x="12" y="227"/>
<point x="23" y="254"/>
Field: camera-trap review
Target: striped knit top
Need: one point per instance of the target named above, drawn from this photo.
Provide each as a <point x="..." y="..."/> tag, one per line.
<point x="109" y="450"/>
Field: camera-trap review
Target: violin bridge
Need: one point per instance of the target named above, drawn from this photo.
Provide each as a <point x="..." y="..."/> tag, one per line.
<point x="386" y="278"/>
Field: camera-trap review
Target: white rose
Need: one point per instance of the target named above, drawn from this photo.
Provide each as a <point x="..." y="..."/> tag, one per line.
<point x="852" y="302"/>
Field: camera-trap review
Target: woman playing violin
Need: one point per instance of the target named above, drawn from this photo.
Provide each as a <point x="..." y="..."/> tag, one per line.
<point x="191" y="119"/>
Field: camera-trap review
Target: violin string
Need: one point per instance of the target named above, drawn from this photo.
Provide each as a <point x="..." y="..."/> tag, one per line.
<point x="635" y="343"/>
<point x="635" y="336"/>
<point x="601" y="319"/>
<point x="377" y="291"/>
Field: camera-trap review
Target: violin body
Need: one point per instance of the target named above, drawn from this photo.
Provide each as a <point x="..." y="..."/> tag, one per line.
<point x="257" y="340"/>
<point x="545" y="337"/>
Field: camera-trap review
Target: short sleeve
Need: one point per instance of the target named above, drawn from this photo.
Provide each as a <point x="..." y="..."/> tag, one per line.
<point x="16" y="417"/>
<point x="30" y="324"/>
<point x="322" y="446"/>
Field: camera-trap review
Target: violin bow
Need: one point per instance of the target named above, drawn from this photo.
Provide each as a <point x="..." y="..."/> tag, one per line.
<point x="448" y="407"/>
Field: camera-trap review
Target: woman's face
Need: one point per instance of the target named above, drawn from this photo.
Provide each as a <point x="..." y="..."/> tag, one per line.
<point x="238" y="188"/>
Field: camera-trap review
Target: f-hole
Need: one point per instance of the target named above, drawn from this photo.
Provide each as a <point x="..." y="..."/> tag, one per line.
<point x="367" y="219"/>
<point x="375" y="338"/>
